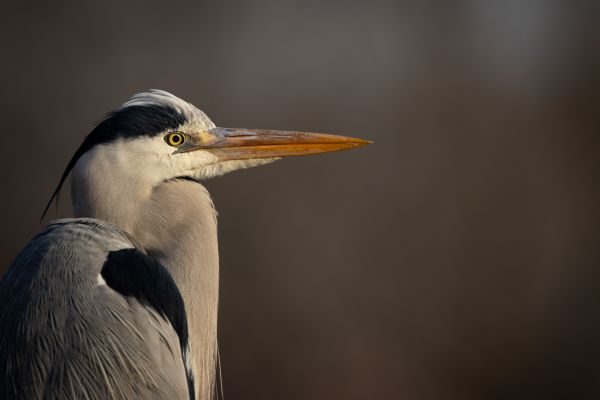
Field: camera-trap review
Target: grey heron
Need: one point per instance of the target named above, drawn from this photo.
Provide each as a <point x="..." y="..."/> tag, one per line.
<point x="121" y="301"/>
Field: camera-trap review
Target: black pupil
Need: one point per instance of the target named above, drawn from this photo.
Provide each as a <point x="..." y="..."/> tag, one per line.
<point x="176" y="139"/>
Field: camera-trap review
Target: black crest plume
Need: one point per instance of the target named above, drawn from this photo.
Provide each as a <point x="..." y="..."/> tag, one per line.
<point x="127" y="123"/>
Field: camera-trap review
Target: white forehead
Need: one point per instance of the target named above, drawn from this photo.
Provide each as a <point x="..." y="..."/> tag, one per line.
<point x="157" y="97"/>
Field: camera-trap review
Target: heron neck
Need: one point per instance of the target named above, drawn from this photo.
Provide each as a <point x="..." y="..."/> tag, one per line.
<point x="178" y="226"/>
<point x="176" y="223"/>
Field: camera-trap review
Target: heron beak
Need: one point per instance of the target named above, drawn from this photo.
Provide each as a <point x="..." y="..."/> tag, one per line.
<point x="243" y="144"/>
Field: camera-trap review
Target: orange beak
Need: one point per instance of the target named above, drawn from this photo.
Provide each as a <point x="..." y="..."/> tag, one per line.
<point x="242" y="144"/>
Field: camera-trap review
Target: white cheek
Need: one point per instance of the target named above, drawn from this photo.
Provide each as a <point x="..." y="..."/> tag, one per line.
<point x="193" y="162"/>
<point x="152" y="156"/>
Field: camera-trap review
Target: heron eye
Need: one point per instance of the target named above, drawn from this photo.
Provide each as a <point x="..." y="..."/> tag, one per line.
<point x="175" y="139"/>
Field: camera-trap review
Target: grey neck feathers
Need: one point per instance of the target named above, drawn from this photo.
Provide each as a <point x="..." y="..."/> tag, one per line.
<point x="175" y="222"/>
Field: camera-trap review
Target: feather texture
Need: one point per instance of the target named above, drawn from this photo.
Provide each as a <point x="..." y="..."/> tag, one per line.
<point x="64" y="333"/>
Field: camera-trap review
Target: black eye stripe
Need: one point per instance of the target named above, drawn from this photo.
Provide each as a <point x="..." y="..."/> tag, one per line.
<point x="128" y="122"/>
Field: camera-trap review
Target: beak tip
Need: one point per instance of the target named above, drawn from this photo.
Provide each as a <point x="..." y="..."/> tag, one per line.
<point x="362" y="142"/>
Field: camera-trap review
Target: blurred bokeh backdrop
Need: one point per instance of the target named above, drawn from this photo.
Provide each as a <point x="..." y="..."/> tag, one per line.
<point x="456" y="258"/>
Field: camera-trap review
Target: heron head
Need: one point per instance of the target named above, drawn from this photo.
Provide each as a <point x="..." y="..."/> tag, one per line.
<point x="156" y="136"/>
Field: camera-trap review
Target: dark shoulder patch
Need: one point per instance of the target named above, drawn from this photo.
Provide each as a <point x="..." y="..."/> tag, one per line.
<point x="134" y="274"/>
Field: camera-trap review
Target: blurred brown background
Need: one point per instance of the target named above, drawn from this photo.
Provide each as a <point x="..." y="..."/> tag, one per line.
<point x="456" y="258"/>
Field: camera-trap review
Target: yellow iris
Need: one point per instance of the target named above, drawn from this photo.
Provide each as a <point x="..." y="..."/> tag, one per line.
<point x="175" y="139"/>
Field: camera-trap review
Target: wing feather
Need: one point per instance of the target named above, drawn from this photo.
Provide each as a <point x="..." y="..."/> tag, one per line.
<point x="80" y="318"/>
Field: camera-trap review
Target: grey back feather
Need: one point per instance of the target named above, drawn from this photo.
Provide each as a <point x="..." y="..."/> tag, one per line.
<point x="65" y="334"/>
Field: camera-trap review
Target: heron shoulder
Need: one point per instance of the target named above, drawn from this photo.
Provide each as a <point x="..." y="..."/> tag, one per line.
<point x="132" y="273"/>
<point x="88" y="273"/>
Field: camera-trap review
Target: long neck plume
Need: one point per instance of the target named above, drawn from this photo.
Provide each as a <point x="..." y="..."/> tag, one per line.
<point x="175" y="222"/>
